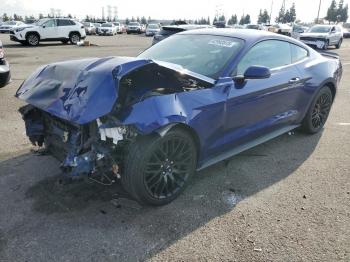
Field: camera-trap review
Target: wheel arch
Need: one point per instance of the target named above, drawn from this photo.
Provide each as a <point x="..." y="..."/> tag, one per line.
<point x="165" y="129"/>
<point x="32" y="32"/>
<point x="74" y="32"/>
<point x="331" y="85"/>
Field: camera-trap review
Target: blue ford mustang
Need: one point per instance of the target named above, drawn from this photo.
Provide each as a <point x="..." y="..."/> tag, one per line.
<point x="190" y="101"/>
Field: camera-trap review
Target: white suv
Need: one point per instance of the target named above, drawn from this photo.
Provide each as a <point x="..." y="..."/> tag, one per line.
<point x="49" y="29"/>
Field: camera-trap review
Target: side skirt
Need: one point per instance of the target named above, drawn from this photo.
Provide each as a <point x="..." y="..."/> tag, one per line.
<point x="251" y="144"/>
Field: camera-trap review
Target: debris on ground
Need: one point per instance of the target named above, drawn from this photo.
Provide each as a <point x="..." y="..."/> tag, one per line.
<point x="231" y="198"/>
<point x="125" y="202"/>
<point x="258" y="249"/>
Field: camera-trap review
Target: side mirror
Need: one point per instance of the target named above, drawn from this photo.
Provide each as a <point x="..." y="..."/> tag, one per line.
<point x="253" y="72"/>
<point x="43" y="26"/>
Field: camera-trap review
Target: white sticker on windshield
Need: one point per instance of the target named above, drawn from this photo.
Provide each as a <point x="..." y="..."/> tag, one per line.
<point x="223" y="43"/>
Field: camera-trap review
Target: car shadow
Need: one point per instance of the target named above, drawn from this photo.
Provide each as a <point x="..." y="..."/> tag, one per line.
<point x="45" y="44"/>
<point x="108" y="225"/>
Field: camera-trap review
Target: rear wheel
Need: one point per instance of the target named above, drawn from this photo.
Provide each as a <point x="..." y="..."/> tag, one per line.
<point x="337" y="46"/>
<point x="318" y="112"/>
<point x="32" y="39"/>
<point x="74" y="38"/>
<point x="326" y="44"/>
<point x="157" y="169"/>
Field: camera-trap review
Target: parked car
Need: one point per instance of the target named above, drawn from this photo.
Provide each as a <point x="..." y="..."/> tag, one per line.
<point x="49" y="29"/>
<point x="152" y="29"/>
<point x="197" y="98"/>
<point x="90" y="28"/>
<point x="323" y="36"/>
<point x="297" y="30"/>
<point x="107" y="29"/>
<point x="167" y="31"/>
<point x="236" y="26"/>
<point x="8" y="25"/>
<point x="220" y="24"/>
<point x="255" y="26"/>
<point x="123" y="28"/>
<point x="97" y="26"/>
<point x="5" y="75"/>
<point x="282" y="29"/>
<point x="119" y="27"/>
<point x="134" y="27"/>
<point x="346" y="33"/>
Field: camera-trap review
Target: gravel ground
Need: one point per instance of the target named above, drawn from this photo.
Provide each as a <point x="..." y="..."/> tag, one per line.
<point x="285" y="200"/>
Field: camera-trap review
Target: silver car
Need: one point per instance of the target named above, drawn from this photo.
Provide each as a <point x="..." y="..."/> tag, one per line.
<point x="323" y="36"/>
<point x="152" y="29"/>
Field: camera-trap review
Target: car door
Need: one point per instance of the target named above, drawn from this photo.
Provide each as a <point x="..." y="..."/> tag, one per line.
<point x="333" y="36"/>
<point x="64" y="28"/>
<point x="49" y="29"/>
<point x="259" y="107"/>
<point x="339" y="33"/>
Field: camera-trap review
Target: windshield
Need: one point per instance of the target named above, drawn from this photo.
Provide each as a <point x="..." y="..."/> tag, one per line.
<point x="10" y="23"/>
<point x="107" y="25"/>
<point x="252" y="27"/>
<point x="204" y="54"/>
<point x="320" y="29"/>
<point x="152" y="26"/>
<point x="41" y="21"/>
<point x="134" y="24"/>
<point x="97" y="25"/>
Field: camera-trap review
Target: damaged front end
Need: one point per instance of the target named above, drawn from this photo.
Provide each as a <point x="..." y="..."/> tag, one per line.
<point x="81" y="111"/>
<point x="93" y="149"/>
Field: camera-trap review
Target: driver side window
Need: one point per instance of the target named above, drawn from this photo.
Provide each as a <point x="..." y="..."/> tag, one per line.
<point x="269" y="53"/>
<point x="50" y="23"/>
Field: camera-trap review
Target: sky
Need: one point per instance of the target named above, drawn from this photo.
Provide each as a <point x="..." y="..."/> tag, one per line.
<point x="163" y="9"/>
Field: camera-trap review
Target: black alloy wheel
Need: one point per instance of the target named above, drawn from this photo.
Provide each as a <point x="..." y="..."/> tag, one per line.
<point x="157" y="169"/>
<point x="318" y="111"/>
<point x="321" y="110"/>
<point x="168" y="167"/>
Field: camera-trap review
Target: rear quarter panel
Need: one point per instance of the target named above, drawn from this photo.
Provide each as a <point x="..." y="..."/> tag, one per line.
<point x="316" y="72"/>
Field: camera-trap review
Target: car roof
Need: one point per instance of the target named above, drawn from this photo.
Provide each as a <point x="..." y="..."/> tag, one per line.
<point x="187" y="26"/>
<point x="245" y="34"/>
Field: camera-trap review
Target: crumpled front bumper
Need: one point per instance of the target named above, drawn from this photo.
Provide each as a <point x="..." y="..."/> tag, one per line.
<point x="82" y="149"/>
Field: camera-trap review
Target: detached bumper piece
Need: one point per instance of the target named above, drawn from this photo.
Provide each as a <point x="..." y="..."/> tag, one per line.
<point x="78" y="147"/>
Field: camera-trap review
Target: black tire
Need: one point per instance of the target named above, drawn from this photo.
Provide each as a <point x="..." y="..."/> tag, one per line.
<point x="157" y="169"/>
<point x="32" y="39"/>
<point x="318" y="111"/>
<point x="74" y="38"/>
<point x="326" y="44"/>
<point x="337" y="46"/>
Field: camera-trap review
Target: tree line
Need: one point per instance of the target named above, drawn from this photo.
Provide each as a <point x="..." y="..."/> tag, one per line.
<point x="286" y="16"/>
<point x="337" y="12"/>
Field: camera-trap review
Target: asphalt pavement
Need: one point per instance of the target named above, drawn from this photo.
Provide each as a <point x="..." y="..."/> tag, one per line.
<point x="285" y="200"/>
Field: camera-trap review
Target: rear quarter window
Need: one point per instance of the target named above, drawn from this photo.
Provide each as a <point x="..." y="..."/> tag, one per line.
<point x="64" y="22"/>
<point x="298" y="53"/>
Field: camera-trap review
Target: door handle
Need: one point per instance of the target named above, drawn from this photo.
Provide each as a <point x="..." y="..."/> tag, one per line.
<point x="294" y="80"/>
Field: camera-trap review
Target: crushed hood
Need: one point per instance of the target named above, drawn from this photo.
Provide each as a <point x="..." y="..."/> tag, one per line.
<point x="80" y="91"/>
